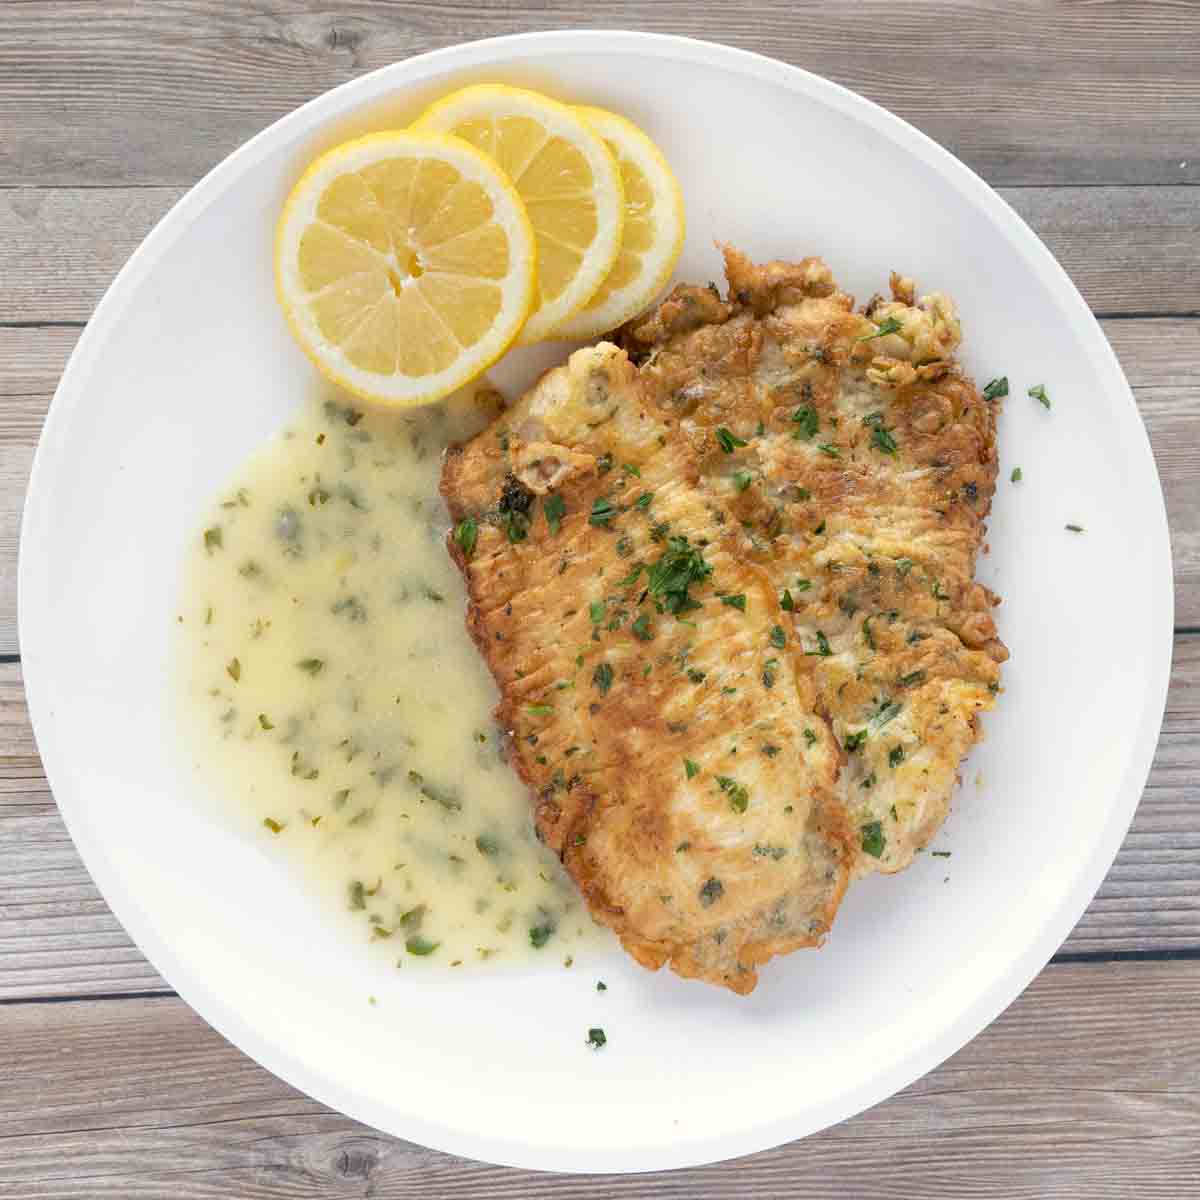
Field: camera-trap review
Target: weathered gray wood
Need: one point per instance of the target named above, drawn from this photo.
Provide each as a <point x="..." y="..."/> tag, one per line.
<point x="1089" y="1086"/>
<point x="57" y="937"/>
<point x="1025" y="92"/>
<point x="1129" y="249"/>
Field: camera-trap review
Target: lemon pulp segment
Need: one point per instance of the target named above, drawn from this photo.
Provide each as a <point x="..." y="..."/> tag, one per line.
<point x="404" y="265"/>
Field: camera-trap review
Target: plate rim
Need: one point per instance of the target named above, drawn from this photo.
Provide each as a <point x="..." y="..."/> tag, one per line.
<point x="223" y="1017"/>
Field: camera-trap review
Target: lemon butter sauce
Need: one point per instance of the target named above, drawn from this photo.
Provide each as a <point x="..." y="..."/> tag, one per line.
<point x="330" y="692"/>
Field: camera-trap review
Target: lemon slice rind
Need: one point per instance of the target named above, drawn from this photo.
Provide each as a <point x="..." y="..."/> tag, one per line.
<point x="614" y="306"/>
<point x="471" y="109"/>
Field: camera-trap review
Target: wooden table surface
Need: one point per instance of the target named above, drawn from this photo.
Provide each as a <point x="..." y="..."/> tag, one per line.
<point x="1086" y="117"/>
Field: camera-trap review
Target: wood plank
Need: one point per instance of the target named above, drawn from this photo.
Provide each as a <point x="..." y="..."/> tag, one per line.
<point x="1025" y="92"/>
<point x="1129" y="249"/>
<point x="1076" y="1091"/>
<point x="57" y="937"/>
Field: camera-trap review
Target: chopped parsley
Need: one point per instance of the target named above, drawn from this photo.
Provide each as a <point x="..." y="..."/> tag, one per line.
<point x="311" y="666"/>
<point x="807" y="423"/>
<point x="539" y="710"/>
<point x="516" y="525"/>
<point x="739" y="797"/>
<point x="873" y="839"/>
<point x="596" y="611"/>
<point x="889" y="710"/>
<point x="829" y="451"/>
<point x="711" y="892"/>
<point x="996" y="389"/>
<point x="882" y="440"/>
<point x="601" y="986"/>
<point x="265" y="721"/>
<point x="466" y="533"/>
<point x="214" y="539"/>
<point x="602" y="677"/>
<point x="603" y="511"/>
<point x="1038" y="392"/>
<point x="895" y="756"/>
<point x="1075" y="528"/>
<point x="273" y="825"/>
<point x="539" y="935"/>
<point x="555" y="509"/>
<point x="741" y="480"/>
<point x="772" y="852"/>
<point x="882" y="329"/>
<point x="234" y="669"/>
<point x="803" y="585"/>
<point x="644" y="501"/>
<point x="852" y="741"/>
<point x="810" y="737"/>
<point x="1016" y="475"/>
<point x="604" y="464"/>
<point x="641" y="629"/>
<point x="630" y="469"/>
<point x="691" y="769"/>
<point x="728" y="441"/>
<point x="596" y="1037"/>
<point x="513" y="508"/>
<point x="676" y="570"/>
<point x="912" y="678"/>
<point x="786" y="602"/>
<point x="632" y="577"/>
<point x="823" y="649"/>
<point x="419" y="945"/>
<point x="738" y="601"/>
<point x="778" y="637"/>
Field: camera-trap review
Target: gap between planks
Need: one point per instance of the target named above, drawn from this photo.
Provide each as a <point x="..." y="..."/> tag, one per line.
<point x="1086" y="1086"/>
<point x="1130" y="250"/>
<point x="1025" y="92"/>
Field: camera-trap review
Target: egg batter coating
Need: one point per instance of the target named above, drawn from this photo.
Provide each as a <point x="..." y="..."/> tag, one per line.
<point x="658" y="700"/>
<point x="859" y="462"/>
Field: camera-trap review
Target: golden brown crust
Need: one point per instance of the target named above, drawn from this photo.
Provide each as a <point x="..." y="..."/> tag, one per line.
<point x="676" y="761"/>
<point x="871" y="461"/>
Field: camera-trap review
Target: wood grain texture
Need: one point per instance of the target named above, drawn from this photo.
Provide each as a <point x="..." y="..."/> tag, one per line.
<point x="1089" y="1086"/>
<point x="1074" y="1092"/>
<point x="57" y="937"/>
<point x="1129" y="249"/>
<point x="1026" y="93"/>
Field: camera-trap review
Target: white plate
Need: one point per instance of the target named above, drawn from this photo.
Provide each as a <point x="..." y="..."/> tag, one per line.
<point x="186" y="367"/>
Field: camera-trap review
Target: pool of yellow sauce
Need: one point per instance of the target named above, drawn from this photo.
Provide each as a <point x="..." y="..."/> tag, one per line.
<point x="331" y="695"/>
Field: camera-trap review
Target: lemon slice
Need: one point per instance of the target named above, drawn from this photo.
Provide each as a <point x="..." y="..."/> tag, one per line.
<point x="652" y="235"/>
<point x="565" y="175"/>
<point x="404" y="263"/>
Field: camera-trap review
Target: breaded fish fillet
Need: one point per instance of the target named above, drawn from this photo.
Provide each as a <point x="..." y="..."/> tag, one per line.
<point x="860" y="463"/>
<point x="657" y="704"/>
